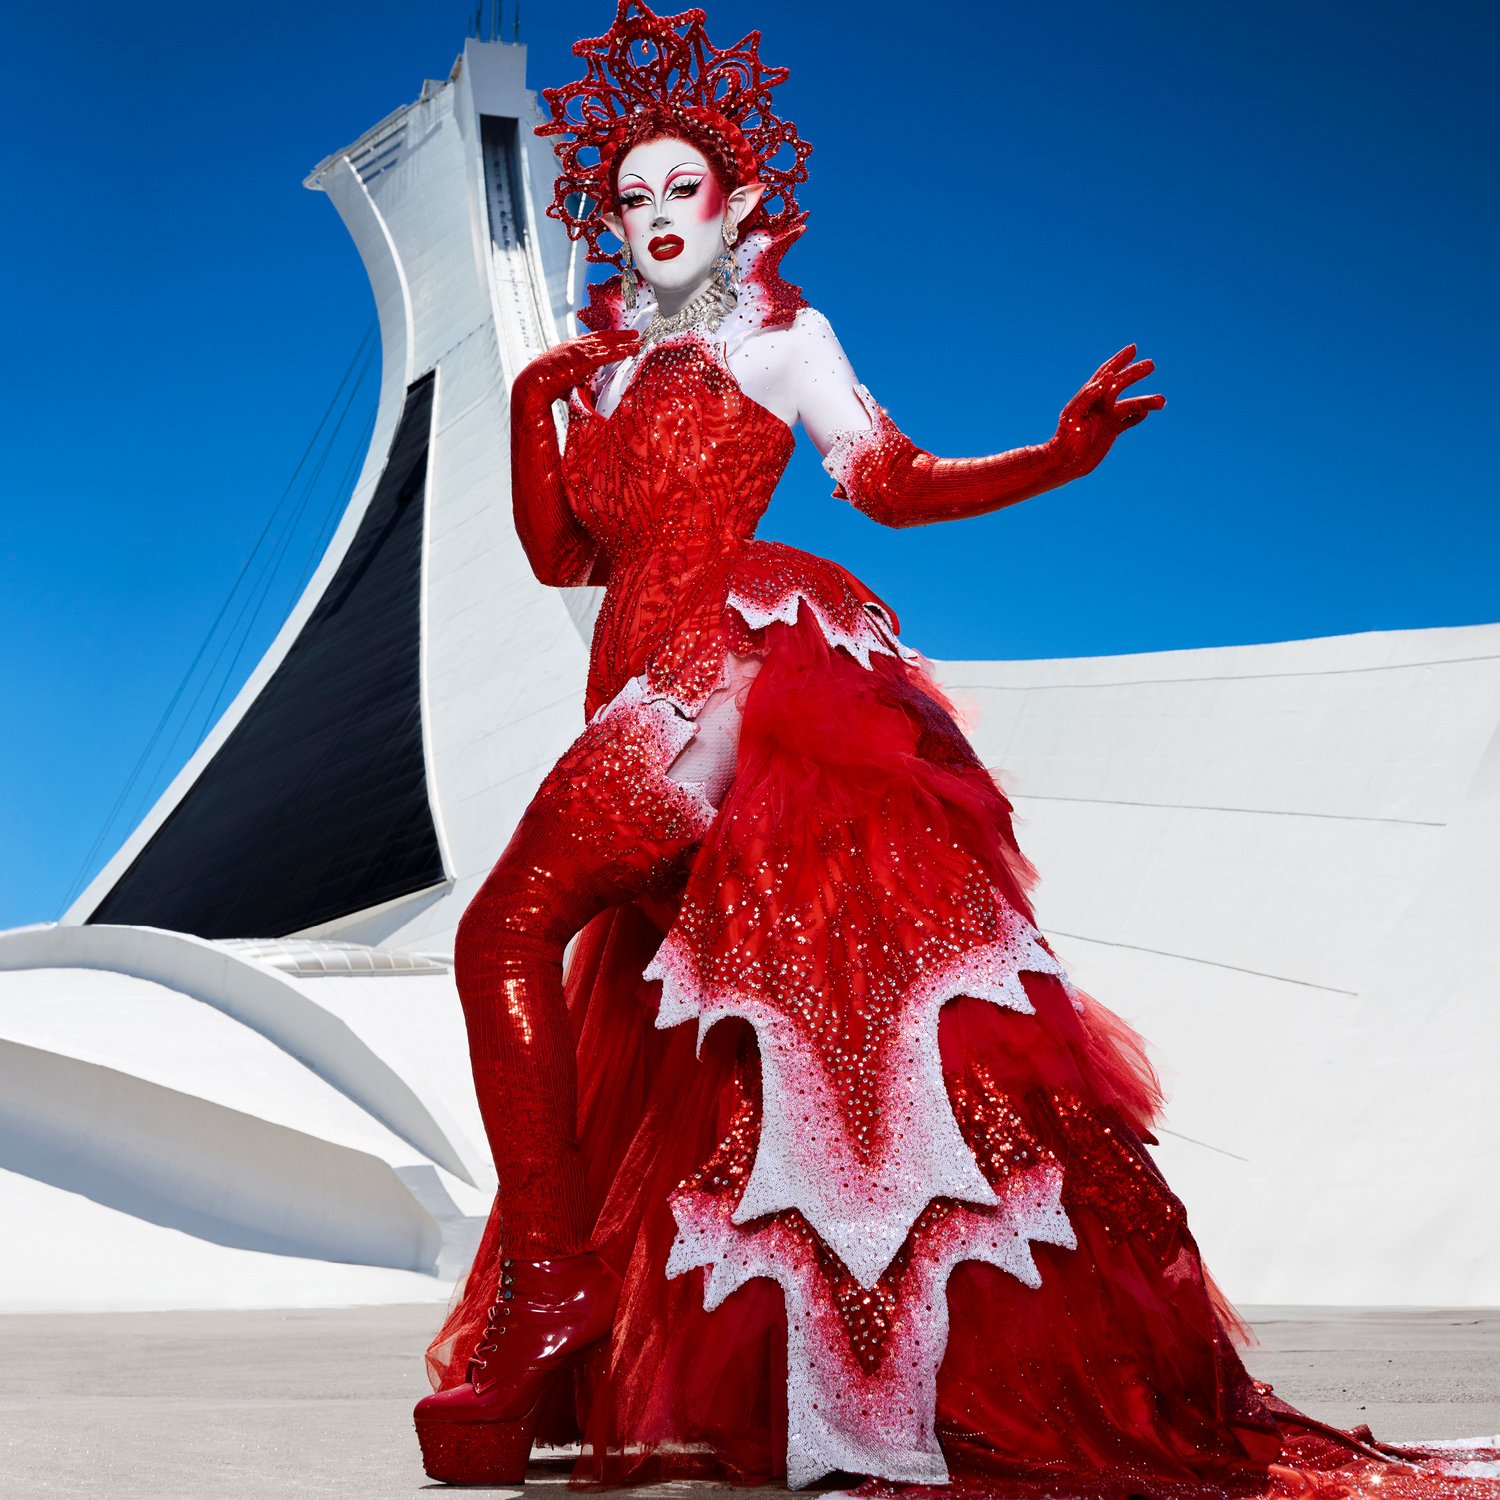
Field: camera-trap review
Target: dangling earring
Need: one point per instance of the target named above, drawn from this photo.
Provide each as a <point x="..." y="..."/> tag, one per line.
<point x="726" y="269"/>
<point x="627" y="277"/>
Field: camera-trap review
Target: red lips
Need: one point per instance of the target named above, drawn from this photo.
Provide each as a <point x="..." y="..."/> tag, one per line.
<point x="665" y="246"/>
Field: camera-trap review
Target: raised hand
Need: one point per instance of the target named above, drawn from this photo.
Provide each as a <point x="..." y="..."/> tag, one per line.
<point x="898" y="484"/>
<point x="1097" y="415"/>
<point x="553" y="374"/>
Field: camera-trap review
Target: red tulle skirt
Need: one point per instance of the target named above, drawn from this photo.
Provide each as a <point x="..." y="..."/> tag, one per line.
<point x="1101" y="1361"/>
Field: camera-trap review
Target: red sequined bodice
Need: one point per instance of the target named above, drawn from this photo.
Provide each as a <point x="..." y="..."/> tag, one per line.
<point x="671" y="485"/>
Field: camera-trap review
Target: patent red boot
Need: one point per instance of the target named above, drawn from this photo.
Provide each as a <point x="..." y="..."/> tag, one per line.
<point x="547" y="1315"/>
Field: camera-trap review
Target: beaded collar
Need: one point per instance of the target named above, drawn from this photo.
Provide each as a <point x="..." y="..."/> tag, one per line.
<point x="706" y="311"/>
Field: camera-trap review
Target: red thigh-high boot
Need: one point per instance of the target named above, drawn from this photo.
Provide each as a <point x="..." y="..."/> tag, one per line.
<point x="606" y="824"/>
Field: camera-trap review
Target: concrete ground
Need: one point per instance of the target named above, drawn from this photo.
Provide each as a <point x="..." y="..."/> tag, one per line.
<point x="200" y="1405"/>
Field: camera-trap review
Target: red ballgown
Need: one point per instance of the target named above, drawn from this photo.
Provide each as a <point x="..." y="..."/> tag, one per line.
<point x="874" y="1171"/>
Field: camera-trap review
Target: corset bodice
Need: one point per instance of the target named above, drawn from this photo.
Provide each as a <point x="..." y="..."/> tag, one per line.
<point x="686" y="460"/>
<point x="671" y="486"/>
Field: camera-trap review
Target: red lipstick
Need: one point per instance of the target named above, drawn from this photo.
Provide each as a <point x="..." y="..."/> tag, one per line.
<point x="665" y="246"/>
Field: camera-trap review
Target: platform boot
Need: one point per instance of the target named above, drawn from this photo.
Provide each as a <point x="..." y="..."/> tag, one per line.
<point x="548" y="1315"/>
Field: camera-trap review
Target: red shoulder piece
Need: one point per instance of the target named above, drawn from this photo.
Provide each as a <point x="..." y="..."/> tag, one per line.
<point x="778" y="300"/>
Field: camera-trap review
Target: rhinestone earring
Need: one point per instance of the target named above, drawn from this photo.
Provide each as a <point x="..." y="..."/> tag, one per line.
<point x="726" y="269"/>
<point x="627" y="277"/>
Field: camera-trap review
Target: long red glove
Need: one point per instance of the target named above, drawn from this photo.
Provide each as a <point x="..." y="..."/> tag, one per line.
<point x="558" y="547"/>
<point x="884" y="474"/>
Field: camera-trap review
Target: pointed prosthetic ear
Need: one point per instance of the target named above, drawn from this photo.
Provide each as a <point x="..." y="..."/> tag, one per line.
<point x="741" y="203"/>
<point x="615" y="224"/>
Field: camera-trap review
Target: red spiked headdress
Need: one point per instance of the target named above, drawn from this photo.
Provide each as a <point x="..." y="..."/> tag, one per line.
<point x="650" y="73"/>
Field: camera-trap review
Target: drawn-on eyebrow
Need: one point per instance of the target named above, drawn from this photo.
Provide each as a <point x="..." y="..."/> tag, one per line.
<point x="692" y="166"/>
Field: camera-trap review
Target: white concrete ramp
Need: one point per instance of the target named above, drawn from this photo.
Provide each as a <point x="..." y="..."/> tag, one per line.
<point x="160" y="1150"/>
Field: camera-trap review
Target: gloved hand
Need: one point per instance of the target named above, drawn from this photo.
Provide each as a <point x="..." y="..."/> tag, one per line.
<point x="1097" y="415"/>
<point x="557" y="545"/>
<point x="884" y="474"/>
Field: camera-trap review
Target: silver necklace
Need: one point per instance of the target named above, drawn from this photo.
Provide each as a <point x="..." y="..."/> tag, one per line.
<point x="707" y="310"/>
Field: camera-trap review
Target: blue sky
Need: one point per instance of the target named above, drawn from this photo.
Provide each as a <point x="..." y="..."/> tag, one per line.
<point x="1292" y="208"/>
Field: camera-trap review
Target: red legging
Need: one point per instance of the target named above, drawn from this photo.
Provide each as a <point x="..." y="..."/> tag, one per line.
<point x="615" y="817"/>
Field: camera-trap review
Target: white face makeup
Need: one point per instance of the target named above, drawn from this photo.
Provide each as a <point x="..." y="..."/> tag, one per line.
<point x="671" y="211"/>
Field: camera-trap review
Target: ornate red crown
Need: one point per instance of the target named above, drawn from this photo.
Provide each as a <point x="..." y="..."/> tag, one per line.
<point x="647" y="72"/>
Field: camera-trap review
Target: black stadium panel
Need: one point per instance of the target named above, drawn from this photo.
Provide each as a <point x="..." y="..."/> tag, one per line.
<point x="316" y="804"/>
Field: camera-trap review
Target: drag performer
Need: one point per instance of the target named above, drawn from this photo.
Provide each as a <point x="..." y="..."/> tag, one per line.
<point x="818" y="1164"/>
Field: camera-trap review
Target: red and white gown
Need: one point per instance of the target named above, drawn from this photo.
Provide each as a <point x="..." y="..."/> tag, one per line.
<point x="874" y="1171"/>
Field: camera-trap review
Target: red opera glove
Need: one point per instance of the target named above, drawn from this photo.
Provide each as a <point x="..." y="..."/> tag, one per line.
<point x="884" y="474"/>
<point x="559" y="549"/>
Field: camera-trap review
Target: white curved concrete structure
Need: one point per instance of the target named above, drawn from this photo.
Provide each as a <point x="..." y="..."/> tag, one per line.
<point x="1282" y="863"/>
<point x="159" y="1104"/>
<point x="150" y="1102"/>
<point x="293" y="1015"/>
<point x="1279" y="861"/>
<point x="74" y="1254"/>
<point x="225" y="1175"/>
